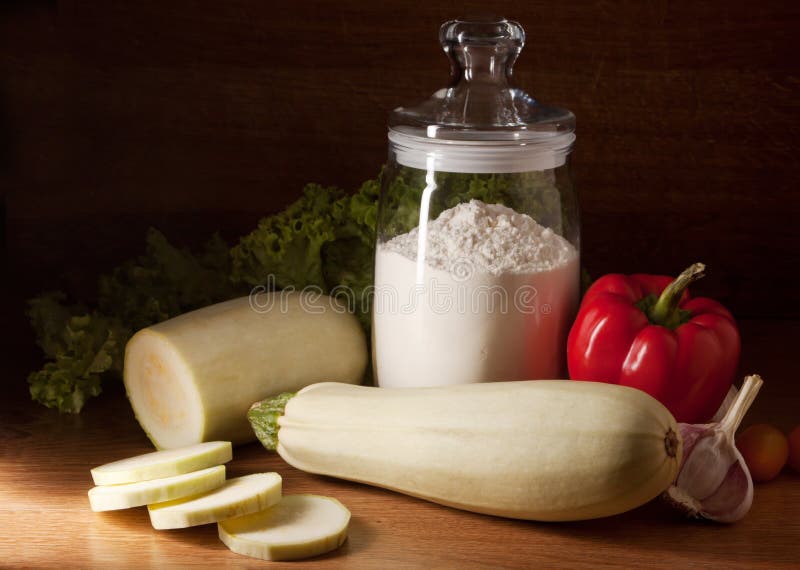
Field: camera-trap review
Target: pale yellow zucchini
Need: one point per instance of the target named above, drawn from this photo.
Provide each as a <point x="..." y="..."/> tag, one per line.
<point x="191" y="379"/>
<point x="113" y="497"/>
<point x="164" y="463"/>
<point x="238" y="496"/>
<point x="300" y="526"/>
<point x="549" y="450"/>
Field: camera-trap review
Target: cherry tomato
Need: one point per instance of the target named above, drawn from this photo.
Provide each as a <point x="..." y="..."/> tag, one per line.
<point x="794" y="449"/>
<point x="765" y="450"/>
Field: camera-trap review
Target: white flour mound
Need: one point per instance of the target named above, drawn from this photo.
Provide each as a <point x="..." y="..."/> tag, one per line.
<point x="493" y="238"/>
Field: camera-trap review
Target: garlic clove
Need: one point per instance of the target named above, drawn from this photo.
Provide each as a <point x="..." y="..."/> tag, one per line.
<point x="713" y="481"/>
<point x="705" y="468"/>
<point x="733" y="499"/>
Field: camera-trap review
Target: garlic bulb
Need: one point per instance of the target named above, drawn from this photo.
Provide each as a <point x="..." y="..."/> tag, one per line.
<point x="713" y="481"/>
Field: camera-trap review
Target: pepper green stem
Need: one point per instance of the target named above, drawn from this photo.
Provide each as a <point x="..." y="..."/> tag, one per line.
<point x="665" y="311"/>
<point x="263" y="417"/>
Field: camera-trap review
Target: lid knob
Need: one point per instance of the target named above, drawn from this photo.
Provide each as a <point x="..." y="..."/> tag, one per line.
<point x="481" y="50"/>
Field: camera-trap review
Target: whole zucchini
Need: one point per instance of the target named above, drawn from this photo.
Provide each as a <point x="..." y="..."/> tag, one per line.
<point x="549" y="450"/>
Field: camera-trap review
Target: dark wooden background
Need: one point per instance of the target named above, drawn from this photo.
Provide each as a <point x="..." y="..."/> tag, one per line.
<point x="197" y="115"/>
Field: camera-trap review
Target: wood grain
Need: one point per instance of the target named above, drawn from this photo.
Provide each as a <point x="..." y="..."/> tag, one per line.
<point x="196" y="116"/>
<point x="44" y="476"/>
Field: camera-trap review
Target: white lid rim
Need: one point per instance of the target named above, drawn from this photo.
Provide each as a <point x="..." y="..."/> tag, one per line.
<point x="480" y="157"/>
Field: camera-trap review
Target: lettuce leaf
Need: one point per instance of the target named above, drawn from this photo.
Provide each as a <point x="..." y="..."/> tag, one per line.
<point x="325" y="240"/>
<point x="287" y="248"/>
<point x="165" y="282"/>
<point x="83" y="346"/>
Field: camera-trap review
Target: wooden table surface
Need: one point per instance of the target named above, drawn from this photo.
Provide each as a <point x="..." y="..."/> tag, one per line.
<point x="46" y="522"/>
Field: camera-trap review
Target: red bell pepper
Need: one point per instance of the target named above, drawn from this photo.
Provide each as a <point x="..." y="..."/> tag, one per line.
<point x="646" y="332"/>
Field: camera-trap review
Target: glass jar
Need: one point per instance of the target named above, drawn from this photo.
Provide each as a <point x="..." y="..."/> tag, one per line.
<point x="477" y="257"/>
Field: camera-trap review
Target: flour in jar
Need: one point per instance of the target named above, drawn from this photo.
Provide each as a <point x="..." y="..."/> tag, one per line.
<point x="482" y="293"/>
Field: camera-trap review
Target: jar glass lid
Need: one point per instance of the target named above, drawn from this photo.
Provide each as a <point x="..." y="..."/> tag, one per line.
<point x="480" y="122"/>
